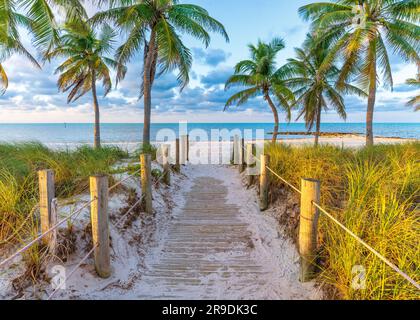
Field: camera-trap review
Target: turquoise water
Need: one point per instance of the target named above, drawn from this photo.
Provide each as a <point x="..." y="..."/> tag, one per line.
<point x="132" y="133"/>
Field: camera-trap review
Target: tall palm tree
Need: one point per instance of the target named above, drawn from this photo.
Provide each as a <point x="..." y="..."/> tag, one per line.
<point x="155" y="26"/>
<point x="38" y="18"/>
<point x="316" y="91"/>
<point x="86" y="62"/>
<point x="415" y="102"/>
<point x="361" y="32"/>
<point x="259" y="76"/>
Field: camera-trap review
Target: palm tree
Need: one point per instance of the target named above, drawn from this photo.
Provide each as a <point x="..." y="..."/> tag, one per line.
<point x="86" y="63"/>
<point x="415" y="102"/>
<point x="316" y="91"/>
<point x="361" y="32"/>
<point x="154" y="25"/>
<point x="38" y="18"/>
<point x="10" y="42"/>
<point x="259" y="76"/>
<point x="44" y="27"/>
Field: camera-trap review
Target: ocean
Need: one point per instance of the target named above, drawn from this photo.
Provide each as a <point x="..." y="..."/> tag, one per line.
<point x="74" y="134"/>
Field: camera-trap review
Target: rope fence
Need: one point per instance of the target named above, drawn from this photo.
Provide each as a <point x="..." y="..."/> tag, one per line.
<point x="99" y="195"/>
<point x="99" y="190"/>
<point x="316" y="205"/>
<point x="60" y="286"/>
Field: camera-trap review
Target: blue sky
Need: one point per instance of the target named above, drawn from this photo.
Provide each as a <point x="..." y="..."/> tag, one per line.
<point x="33" y="95"/>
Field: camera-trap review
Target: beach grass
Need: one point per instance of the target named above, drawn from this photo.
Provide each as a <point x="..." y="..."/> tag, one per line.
<point x="19" y="196"/>
<point x="375" y="193"/>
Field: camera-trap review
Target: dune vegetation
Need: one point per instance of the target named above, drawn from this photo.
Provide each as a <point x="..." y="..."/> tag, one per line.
<point x="19" y="164"/>
<point x="375" y="193"/>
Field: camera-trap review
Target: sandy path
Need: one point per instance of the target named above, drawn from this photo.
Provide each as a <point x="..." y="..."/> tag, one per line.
<point x="219" y="246"/>
<point x="212" y="242"/>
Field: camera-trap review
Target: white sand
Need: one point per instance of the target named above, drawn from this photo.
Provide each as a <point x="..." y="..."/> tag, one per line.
<point x="272" y="250"/>
<point x="352" y="141"/>
<point x="137" y="248"/>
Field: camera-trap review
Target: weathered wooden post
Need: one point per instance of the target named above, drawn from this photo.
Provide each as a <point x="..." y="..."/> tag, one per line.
<point x="46" y="195"/>
<point x="188" y="147"/>
<point x="166" y="164"/>
<point x="232" y="151"/>
<point x="241" y="151"/>
<point x="264" y="181"/>
<point x="100" y="224"/>
<point x="308" y="228"/>
<point x="250" y="161"/>
<point x="183" y="149"/>
<point x="146" y="182"/>
<point x="236" y="146"/>
<point x="177" y="154"/>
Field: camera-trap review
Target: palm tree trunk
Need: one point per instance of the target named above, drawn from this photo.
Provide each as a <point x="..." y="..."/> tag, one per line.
<point x="318" y="123"/>
<point x="147" y="81"/>
<point x="276" y="117"/>
<point x="371" y="105"/>
<point x="97" y="130"/>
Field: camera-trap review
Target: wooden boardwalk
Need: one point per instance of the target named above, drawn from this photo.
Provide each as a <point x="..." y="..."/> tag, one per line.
<point x="208" y="244"/>
<point x="214" y="243"/>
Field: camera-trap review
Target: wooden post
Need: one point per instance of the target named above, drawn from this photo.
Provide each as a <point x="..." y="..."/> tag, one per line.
<point x="236" y="147"/>
<point x="188" y="147"/>
<point x="308" y="228"/>
<point x="232" y="151"/>
<point x="264" y="181"/>
<point x="146" y="182"/>
<point x="46" y="196"/>
<point x="177" y="154"/>
<point x="250" y="162"/>
<point x="166" y="165"/>
<point x="241" y="155"/>
<point x="100" y="224"/>
<point x="183" y="149"/>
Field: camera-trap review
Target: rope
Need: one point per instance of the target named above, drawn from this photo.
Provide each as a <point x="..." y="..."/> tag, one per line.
<point x="284" y="180"/>
<point x="74" y="214"/>
<point x="136" y="204"/>
<point x="122" y="181"/>
<point x="129" y="211"/>
<point x="30" y="244"/>
<point x="276" y="174"/>
<point x="72" y="272"/>
<point x="357" y="238"/>
<point x="376" y="253"/>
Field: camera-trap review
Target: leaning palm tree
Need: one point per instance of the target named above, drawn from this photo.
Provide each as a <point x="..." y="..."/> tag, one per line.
<point x="259" y="76"/>
<point x="155" y="27"/>
<point x="86" y="62"/>
<point x="415" y="102"/>
<point x="361" y="32"/>
<point x="316" y="91"/>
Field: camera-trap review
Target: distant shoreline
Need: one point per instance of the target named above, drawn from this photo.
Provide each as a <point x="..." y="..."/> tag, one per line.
<point x="71" y="133"/>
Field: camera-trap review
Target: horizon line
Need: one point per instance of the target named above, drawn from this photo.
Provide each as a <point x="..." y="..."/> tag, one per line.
<point x="201" y="122"/>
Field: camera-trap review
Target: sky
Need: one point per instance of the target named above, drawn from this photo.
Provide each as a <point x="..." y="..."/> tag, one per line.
<point x="33" y="96"/>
